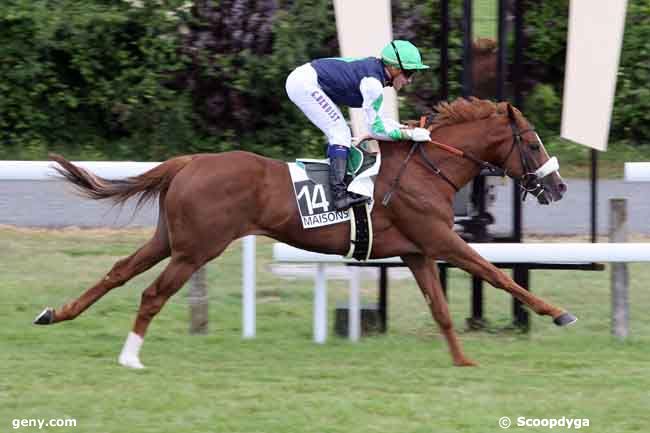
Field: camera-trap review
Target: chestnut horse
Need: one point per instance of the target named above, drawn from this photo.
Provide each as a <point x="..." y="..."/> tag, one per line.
<point x="209" y="200"/>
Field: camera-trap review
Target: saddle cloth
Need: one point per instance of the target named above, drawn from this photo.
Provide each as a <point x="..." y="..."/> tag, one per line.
<point x="310" y="179"/>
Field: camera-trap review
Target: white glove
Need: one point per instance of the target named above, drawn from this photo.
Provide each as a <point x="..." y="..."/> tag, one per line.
<point x="418" y="134"/>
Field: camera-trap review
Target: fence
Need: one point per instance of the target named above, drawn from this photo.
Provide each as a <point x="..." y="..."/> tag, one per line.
<point x="511" y="253"/>
<point x="550" y="253"/>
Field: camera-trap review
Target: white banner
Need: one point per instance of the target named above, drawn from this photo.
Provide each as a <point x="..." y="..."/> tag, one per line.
<point x="364" y="27"/>
<point x="594" y="46"/>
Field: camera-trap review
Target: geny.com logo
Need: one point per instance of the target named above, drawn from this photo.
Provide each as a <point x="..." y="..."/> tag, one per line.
<point x="40" y="423"/>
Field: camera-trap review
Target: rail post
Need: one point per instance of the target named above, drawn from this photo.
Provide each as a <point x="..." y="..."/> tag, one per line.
<point x="197" y="298"/>
<point x="619" y="275"/>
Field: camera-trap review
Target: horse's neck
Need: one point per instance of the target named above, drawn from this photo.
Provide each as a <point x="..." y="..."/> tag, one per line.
<point x="458" y="170"/>
<point x="462" y="170"/>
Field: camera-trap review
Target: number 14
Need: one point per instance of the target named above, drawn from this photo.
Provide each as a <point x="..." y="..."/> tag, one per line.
<point x="312" y="201"/>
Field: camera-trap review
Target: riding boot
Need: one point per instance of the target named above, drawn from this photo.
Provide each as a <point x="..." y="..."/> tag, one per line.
<point x="338" y="165"/>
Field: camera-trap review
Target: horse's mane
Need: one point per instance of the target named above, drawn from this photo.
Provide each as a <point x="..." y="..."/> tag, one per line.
<point x="464" y="110"/>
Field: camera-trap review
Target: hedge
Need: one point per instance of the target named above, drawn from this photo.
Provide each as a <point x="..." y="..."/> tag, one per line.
<point x="148" y="79"/>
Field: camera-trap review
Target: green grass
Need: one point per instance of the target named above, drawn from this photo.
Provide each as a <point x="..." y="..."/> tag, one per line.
<point x="281" y="381"/>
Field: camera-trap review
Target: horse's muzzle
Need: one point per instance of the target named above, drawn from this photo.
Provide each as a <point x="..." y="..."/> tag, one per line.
<point x="553" y="189"/>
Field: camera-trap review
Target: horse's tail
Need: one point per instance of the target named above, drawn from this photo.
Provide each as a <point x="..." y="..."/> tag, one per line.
<point x="147" y="185"/>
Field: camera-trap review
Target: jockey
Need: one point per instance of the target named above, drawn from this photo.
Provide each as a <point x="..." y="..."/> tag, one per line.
<point x="318" y="87"/>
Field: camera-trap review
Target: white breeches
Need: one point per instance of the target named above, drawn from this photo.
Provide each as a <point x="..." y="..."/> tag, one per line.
<point x="304" y="91"/>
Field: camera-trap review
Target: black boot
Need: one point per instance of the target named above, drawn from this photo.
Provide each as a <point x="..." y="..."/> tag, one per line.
<point x="342" y="198"/>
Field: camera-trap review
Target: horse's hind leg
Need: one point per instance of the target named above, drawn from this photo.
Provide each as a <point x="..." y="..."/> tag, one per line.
<point x="465" y="257"/>
<point x="183" y="264"/>
<point x="425" y="271"/>
<point x="175" y="275"/>
<point x="155" y="250"/>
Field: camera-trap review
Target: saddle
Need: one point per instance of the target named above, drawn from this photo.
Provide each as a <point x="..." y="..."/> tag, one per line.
<point x="360" y="159"/>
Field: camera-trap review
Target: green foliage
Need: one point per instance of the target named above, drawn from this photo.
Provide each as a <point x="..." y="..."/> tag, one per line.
<point x="544" y="109"/>
<point x="631" y="117"/>
<point x="546" y="35"/>
<point x="88" y="79"/>
<point x="148" y="79"/>
<point x="419" y="22"/>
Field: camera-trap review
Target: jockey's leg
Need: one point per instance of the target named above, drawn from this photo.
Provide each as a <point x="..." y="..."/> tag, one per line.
<point x="303" y="89"/>
<point x="338" y="164"/>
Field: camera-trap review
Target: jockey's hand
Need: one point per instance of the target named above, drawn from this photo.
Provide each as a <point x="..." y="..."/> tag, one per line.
<point x="418" y="134"/>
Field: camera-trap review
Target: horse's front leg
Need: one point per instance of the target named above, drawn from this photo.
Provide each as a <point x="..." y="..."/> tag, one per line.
<point x="457" y="252"/>
<point x="425" y="271"/>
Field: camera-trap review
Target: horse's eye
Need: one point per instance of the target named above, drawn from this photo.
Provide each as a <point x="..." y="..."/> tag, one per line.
<point x="534" y="147"/>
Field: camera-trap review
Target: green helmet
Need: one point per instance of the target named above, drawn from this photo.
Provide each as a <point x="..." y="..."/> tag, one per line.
<point x="403" y="55"/>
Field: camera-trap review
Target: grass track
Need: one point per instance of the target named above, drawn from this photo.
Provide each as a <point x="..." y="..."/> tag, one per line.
<point x="281" y="381"/>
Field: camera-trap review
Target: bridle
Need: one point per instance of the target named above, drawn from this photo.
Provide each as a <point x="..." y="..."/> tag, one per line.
<point x="530" y="182"/>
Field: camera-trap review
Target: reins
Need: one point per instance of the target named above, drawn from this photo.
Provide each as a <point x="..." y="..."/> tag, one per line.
<point x="453" y="150"/>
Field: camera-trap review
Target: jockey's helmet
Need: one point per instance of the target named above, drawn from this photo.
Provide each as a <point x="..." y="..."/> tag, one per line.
<point x="403" y="55"/>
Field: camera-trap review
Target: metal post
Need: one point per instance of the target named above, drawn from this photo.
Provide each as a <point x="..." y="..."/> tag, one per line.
<point x="467" y="48"/>
<point x="518" y="66"/>
<point x="480" y="235"/>
<point x="521" y="320"/>
<point x="476" y="321"/>
<point x="444" y="50"/>
<point x="197" y="298"/>
<point x="620" y="276"/>
<point x="521" y="274"/>
<point x="501" y="54"/>
<point x="383" y="298"/>
<point x="442" y="269"/>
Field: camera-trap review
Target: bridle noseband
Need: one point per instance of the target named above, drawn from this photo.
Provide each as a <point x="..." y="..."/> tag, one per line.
<point x="530" y="182"/>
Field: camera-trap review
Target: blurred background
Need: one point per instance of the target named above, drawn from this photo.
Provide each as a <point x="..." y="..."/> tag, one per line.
<point x="146" y="80"/>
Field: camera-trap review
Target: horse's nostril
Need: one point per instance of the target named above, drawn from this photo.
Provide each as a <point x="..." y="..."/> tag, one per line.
<point x="562" y="188"/>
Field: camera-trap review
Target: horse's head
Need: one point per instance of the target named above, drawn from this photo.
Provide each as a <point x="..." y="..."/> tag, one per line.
<point x="526" y="159"/>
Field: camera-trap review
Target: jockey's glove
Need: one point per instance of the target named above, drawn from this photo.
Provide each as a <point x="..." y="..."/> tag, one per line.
<point x="418" y="134"/>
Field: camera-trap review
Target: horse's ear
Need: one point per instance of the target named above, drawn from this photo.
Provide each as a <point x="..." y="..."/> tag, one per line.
<point x="511" y="112"/>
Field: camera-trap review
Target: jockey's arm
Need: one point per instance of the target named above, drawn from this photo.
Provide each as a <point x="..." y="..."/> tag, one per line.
<point x="379" y="126"/>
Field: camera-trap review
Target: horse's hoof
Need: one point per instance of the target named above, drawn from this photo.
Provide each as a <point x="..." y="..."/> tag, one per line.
<point x="466" y="363"/>
<point x="130" y="362"/>
<point x="45" y="318"/>
<point x="565" y="319"/>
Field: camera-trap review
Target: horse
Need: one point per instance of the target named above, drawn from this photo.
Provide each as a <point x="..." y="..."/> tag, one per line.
<point x="206" y="201"/>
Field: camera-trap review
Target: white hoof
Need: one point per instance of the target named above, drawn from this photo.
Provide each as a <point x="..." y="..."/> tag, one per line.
<point x="130" y="352"/>
<point x="130" y="362"/>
